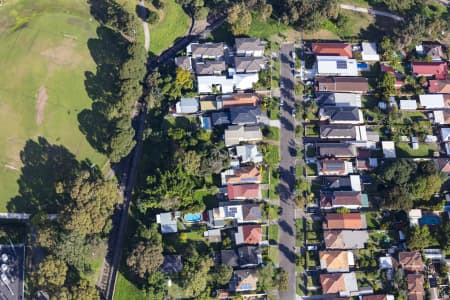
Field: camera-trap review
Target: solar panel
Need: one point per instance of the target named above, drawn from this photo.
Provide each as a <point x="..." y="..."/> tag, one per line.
<point x="341" y="64"/>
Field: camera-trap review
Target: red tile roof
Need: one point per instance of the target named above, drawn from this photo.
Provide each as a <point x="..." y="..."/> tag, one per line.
<point x="338" y="49"/>
<point x="252" y="234"/>
<point x="439" y="86"/>
<point x="411" y="261"/>
<point x="332" y="283"/>
<point x="344" y="221"/>
<point x="437" y="69"/>
<point x="415" y="286"/>
<point x="243" y="191"/>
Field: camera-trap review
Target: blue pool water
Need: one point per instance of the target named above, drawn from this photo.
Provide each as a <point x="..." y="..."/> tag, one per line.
<point x="362" y="65"/>
<point x="430" y="220"/>
<point x="193" y="217"/>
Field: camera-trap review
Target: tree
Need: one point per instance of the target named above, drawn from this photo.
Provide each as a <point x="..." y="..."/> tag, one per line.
<point x="152" y="17"/>
<point x="93" y="201"/>
<point x="50" y="274"/>
<point x="145" y="258"/>
<point x="122" y="141"/>
<point x="266" y="277"/>
<point x="397" y="198"/>
<point x="190" y="161"/>
<point x="82" y="290"/>
<point x="419" y="238"/>
<point x="444" y="235"/>
<point x="264" y="9"/>
<point x="73" y="249"/>
<point x="195" y="273"/>
<point x="396" y="172"/>
<point x="183" y="79"/>
<point x="214" y="160"/>
<point x="156" y="286"/>
<point x="221" y="274"/>
<point x="387" y="84"/>
<point x="282" y="280"/>
<point x="239" y="19"/>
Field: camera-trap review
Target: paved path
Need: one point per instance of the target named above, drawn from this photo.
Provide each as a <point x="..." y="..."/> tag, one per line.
<point x="146" y="30"/>
<point x="286" y="241"/>
<point x="371" y="11"/>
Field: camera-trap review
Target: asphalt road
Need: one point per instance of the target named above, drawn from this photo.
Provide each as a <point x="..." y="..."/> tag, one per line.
<point x="286" y="241"/>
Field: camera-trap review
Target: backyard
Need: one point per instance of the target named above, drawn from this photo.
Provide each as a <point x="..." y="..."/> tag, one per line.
<point x="44" y="47"/>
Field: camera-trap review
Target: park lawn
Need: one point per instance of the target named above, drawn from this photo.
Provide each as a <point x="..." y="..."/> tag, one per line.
<point x="43" y="44"/>
<point x="174" y="23"/>
<point x="425" y="150"/>
<point x="126" y="290"/>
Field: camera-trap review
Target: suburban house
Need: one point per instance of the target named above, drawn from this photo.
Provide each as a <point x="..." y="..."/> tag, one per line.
<point x="248" y="235"/>
<point x="336" y="66"/>
<point x="388" y="149"/>
<point x="206" y="50"/>
<point x="248" y="153"/>
<point x="416" y="289"/>
<point x="439" y="86"/>
<point x="408" y="105"/>
<point x="341" y="115"/>
<point x="242" y="99"/>
<point x="336" y="260"/>
<point x="244" y="191"/>
<point x="242" y="175"/>
<point x="237" y="133"/>
<point x="209" y="67"/>
<point x="445" y="136"/>
<point x="241" y="213"/>
<point x="411" y="261"/>
<point x="347" y="199"/>
<point x="344" y="183"/>
<point x="336" y="49"/>
<point x="184" y="62"/>
<point x="171" y="264"/>
<point x="432" y="101"/>
<point x="343" y="132"/>
<point x="245" y="115"/>
<point x="168" y="221"/>
<point x="220" y="118"/>
<point x="249" y="47"/>
<point x="338" y="99"/>
<point x="432" y="50"/>
<point x="358" y="85"/>
<point x="379" y="297"/>
<point x="438" y="70"/>
<point x="344" y="221"/>
<point x="399" y="82"/>
<point x="369" y="52"/>
<point x="248" y="64"/>
<point x="335" y="167"/>
<point x="244" y="280"/>
<point x="243" y="257"/>
<point x="345" y="239"/>
<point x="338" y="150"/>
<point x="441" y="117"/>
<point x="208" y="84"/>
<point x="342" y="284"/>
<point x="187" y="106"/>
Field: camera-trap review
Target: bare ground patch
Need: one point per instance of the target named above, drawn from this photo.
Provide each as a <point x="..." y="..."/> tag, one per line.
<point x="41" y="101"/>
<point x="64" y="54"/>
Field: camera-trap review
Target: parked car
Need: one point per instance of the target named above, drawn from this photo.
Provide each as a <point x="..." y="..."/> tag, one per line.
<point x="282" y="84"/>
<point x="292" y="65"/>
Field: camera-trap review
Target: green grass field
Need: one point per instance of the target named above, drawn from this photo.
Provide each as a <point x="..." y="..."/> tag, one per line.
<point x="43" y="46"/>
<point x="125" y="290"/>
<point x="174" y="23"/>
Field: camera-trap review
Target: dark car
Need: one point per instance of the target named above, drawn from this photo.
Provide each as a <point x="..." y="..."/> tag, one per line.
<point x="292" y="65"/>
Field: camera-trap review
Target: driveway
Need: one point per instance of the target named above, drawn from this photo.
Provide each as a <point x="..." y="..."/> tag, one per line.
<point x="286" y="222"/>
<point x="371" y="11"/>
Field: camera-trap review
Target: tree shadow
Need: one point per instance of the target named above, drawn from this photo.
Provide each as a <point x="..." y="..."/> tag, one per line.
<point x="45" y="167"/>
<point x="142" y="12"/>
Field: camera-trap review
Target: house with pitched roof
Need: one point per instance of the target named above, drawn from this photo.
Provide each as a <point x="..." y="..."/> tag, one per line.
<point x="233" y="100"/>
<point x="439" y="86"/>
<point x="338" y="150"/>
<point x="248" y="235"/>
<point x="336" y="260"/>
<point x="411" y="261"/>
<point x="416" y="290"/>
<point x="347" y="199"/>
<point x="240" y="213"/>
<point x="438" y="70"/>
<point x="168" y="221"/>
<point x="206" y="50"/>
<point x="184" y="62"/>
<point x="345" y="239"/>
<point x="445" y="137"/>
<point x="335" y="167"/>
<point x="243" y="257"/>
<point x="187" y="106"/>
<point x="344" y="221"/>
<point x="336" y="66"/>
<point x="249" y="47"/>
<point x="335" y="49"/>
<point x="378" y="297"/>
<point x="341" y="183"/>
<point x="237" y="133"/>
<point x="244" y="280"/>
<point x="342" y="284"/>
<point x="171" y="264"/>
<point x="343" y="132"/>
<point x="432" y="101"/>
<point x="245" y="115"/>
<point x="209" y="67"/>
<point x="369" y="52"/>
<point x="244" y="191"/>
<point x="357" y="85"/>
<point x="341" y="115"/>
<point x="248" y="64"/>
<point x="248" y="153"/>
<point x="246" y="174"/>
<point x="338" y="99"/>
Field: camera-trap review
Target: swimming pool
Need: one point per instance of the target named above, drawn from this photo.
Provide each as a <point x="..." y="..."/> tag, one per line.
<point x="193" y="218"/>
<point x="430" y="220"/>
<point x="363" y="66"/>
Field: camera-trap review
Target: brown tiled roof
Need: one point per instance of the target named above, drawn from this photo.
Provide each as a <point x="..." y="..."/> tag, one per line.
<point x="239" y="100"/>
<point x="411" y="261"/>
<point x="334" y="259"/>
<point x="243" y="174"/>
<point x="347" y="198"/>
<point x="333" y="166"/>
<point x="338" y="49"/>
<point x="439" y="86"/>
<point x="252" y="234"/>
<point x="443" y="165"/>
<point x="247" y="191"/>
<point x="343" y="84"/>
<point x="415" y="286"/>
<point x="344" y="221"/>
<point x="375" y="297"/>
<point x="251" y="212"/>
<point x="332" y="283"/>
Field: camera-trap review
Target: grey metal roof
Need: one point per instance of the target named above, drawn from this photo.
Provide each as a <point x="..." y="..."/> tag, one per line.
<point x="251" y="212"/>
<point x="337" y="149"/>
<point x="337" y="131"/>
<point x="335" y="113"/>
<point x="220" y="118"/>
<point x="244" y="114"/>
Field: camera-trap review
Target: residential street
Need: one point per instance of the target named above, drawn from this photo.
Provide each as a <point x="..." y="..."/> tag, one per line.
<point x="287" y="181"/>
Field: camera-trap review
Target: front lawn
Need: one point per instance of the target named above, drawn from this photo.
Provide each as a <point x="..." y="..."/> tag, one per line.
<point x="271" y="155"/>
<point x="273" y="233"/>
<point x="311" y="169"/>
<point x="273" y="254"/>
<point x="174" y="23"/>
<point x="271" y="133"/>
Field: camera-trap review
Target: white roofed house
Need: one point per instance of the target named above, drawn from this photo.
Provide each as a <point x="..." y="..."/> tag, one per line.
<point x="389" y="149"/>
<point x="369" y="52"/>
<point x="336" y="65"/>
<point x="168" y="221"/>
<point x="212" y="84"/>
<point x="445" y="135"/>
<point x="187" y="106"/>
<point x="249" y="153"/>
<point x="432" y="101"/>
<point x="408" y="105"/>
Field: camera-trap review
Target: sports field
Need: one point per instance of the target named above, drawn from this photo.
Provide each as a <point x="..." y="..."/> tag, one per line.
<point x="43" y="59"/>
